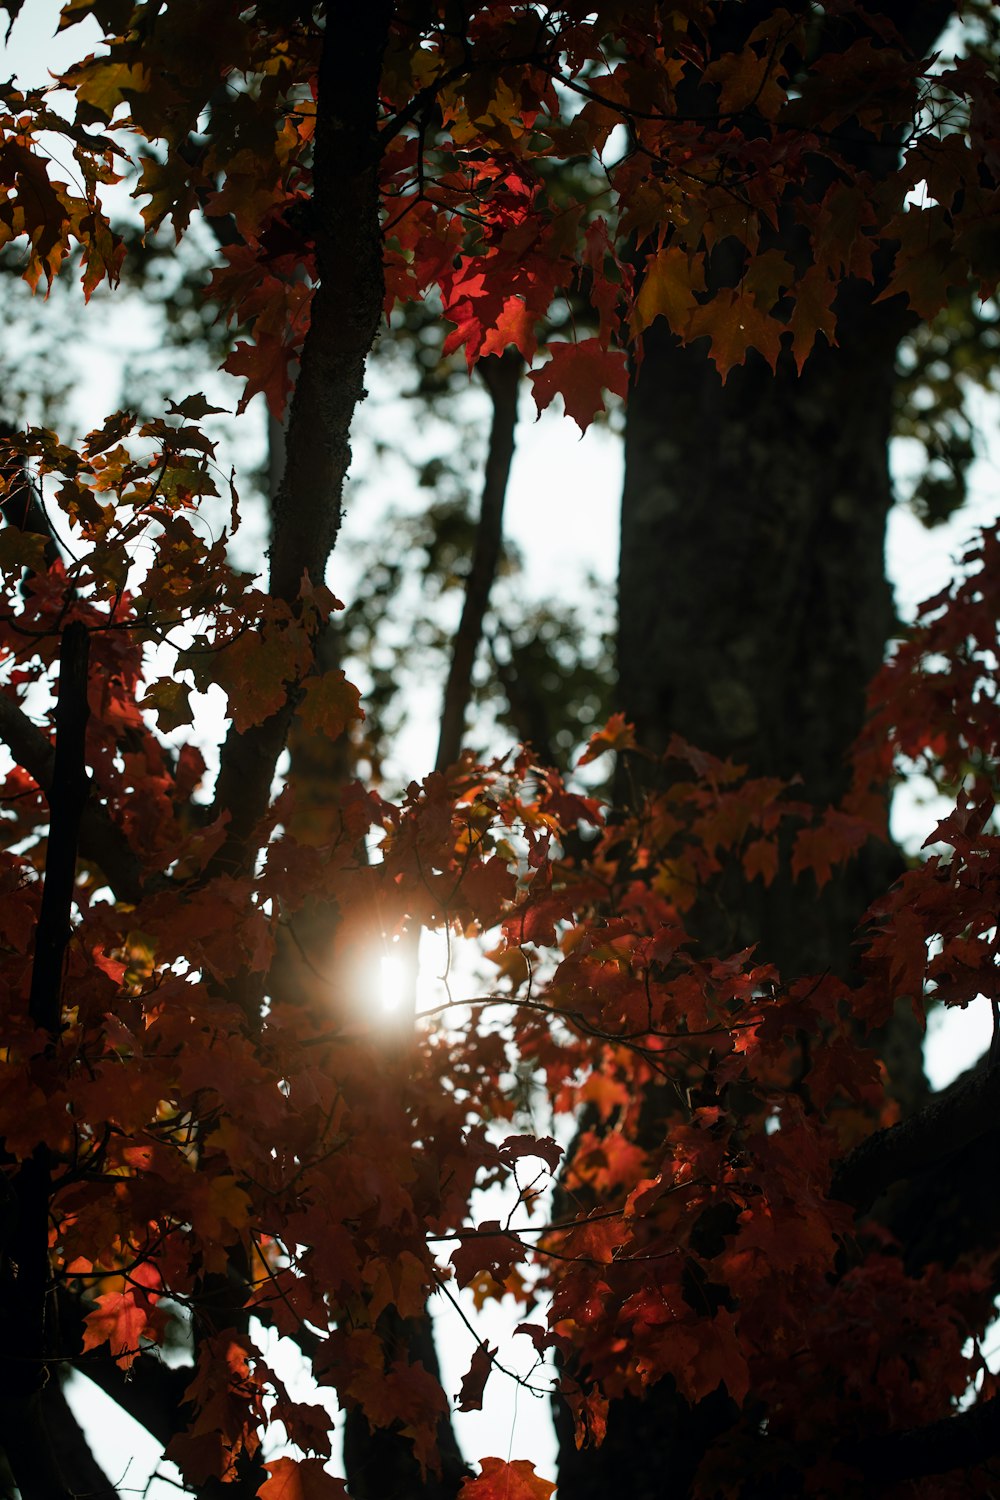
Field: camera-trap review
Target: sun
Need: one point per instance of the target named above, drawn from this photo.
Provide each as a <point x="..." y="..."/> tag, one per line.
<point x="392" y="982"/>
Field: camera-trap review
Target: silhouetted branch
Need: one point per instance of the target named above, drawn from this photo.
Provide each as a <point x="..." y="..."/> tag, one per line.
<point x="964" y="1441"/>
<point x="949" y="1123"/>
<point x="502" y="375"/>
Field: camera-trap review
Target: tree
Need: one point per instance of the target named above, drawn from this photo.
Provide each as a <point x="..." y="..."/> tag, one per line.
<point x="757" y="506"/>
<point x="189" y="1146"/>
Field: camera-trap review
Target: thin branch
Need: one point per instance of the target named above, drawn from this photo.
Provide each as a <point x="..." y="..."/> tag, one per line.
<point x="502" y="375"/>
<point x="67" y="797"/>
<point x="101" y="841"/>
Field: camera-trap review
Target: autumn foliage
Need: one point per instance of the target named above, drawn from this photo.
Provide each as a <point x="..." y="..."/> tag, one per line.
<point x="189" y="1146"/>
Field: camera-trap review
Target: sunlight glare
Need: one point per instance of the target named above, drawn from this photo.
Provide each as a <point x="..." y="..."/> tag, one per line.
<point x="392" y="983"/>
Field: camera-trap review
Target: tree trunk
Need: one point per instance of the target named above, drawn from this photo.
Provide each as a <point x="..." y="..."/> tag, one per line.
<point x="753" y="611"/>
<point x="753" y="605"/>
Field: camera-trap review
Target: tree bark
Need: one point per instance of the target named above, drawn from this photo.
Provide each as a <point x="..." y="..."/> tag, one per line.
<point x="346" y="309"/>
<point x="753" y="606"/>
<point x="753" y="612"/>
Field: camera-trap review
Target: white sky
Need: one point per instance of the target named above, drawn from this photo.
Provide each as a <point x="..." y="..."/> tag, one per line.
<point x="562" y="511"/>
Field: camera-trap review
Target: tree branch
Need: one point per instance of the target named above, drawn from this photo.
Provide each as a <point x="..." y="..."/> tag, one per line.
<point x="101" y="841"/>
<point x="964" y="1441"/>
<point x="25" y="1269"/>
<point x="67" y="797"/>
<point x="81" y="1472"/>
<point x="502" y="375"/>
<point x="949" y="1123"/>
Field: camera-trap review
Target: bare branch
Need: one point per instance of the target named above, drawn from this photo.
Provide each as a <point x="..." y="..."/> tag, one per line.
<point x="502" y="375"/>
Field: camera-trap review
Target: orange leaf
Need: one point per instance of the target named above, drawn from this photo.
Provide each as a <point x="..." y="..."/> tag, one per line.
<point x="668" y="286"/>
<point x="500" y="1480"/>
<point x="123" y="1317"/>
<point x="300" y="1479"/>
<point x="329" y="704"/>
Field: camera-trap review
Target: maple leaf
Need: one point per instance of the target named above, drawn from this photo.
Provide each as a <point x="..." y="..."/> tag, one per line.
<point x="499" y="1479"/>
<point x="761" y="858"/>
<point x="617" y="734"/>
<point x="470" y="1397"/>
<point x="544" y="1147"/>
<point x="329" y="703"/>
<point x="21" y="549"/>
<point x="580" y="373"/>
<point x="300" y="1479"/>
<point x="170" y="700"/>
<point x="669" y="283"/>
<point x="735" y="324"/>
<point x="125" y="1316"/>
<point x="264" y="365"/>
<point x="490" y="1249"/>
<point x="813" y="313"/>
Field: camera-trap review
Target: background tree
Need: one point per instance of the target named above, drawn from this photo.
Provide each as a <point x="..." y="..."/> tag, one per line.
<point x="469" y="107"/>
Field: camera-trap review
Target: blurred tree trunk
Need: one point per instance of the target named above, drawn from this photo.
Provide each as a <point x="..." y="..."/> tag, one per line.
<point x="753" y="612"/>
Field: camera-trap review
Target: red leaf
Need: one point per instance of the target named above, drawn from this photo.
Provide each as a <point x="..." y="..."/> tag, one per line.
<point x="470" y="1397"/>
<point x="544" y="1147"/>
<point x="123" y="1317"/>
<point x="489" y="1249"/>
<point x="580" y="373"/>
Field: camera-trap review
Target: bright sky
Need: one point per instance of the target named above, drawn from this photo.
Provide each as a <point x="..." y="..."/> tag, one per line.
<point x="563" y="513"/>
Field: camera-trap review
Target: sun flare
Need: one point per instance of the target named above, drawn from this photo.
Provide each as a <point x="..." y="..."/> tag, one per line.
<point x="391" y="982"/>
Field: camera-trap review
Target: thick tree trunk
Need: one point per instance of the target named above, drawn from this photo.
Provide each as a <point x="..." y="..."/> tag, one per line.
<point x="753" y="611"/>
<point x="753" y="606"/>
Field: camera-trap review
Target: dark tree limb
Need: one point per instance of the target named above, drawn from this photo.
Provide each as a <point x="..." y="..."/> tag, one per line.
<point x="948" y="1124"/>
<point x="502" y="375"/>
<point x="101" y="841"/>
<point x="152" y="1392"/>
<point x="81" y="1472"/>
<point x="24" y="1347"/>
<point x="379" y="1462"/>
<point x="67" y="798"/>
<point x="346" y="309"/>
<point x="964" y="1441"/>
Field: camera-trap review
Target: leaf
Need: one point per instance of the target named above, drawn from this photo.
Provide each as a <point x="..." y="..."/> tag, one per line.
<point x="194" y="408"/>
<point x="735" y="325"/>
<point x="329" y="704"/>
<point x="580" y="373"/>
<point x="169" y="699"/>
<point x="500" y="1480"/>
<point x="544" y="1147"/>
<point x="264" y="365"/>
<point x="669" y="283"/>
<point x="488" y="1248"/>
<point x="22" y="549"/>
<point x="761" y="858"/>
<point x="813" y="313"/>
<point x="470" y="1397"/>
<point x="125" y="1316"/>
<point x="617" y="734"/>
<point x="300" y="1479"/>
